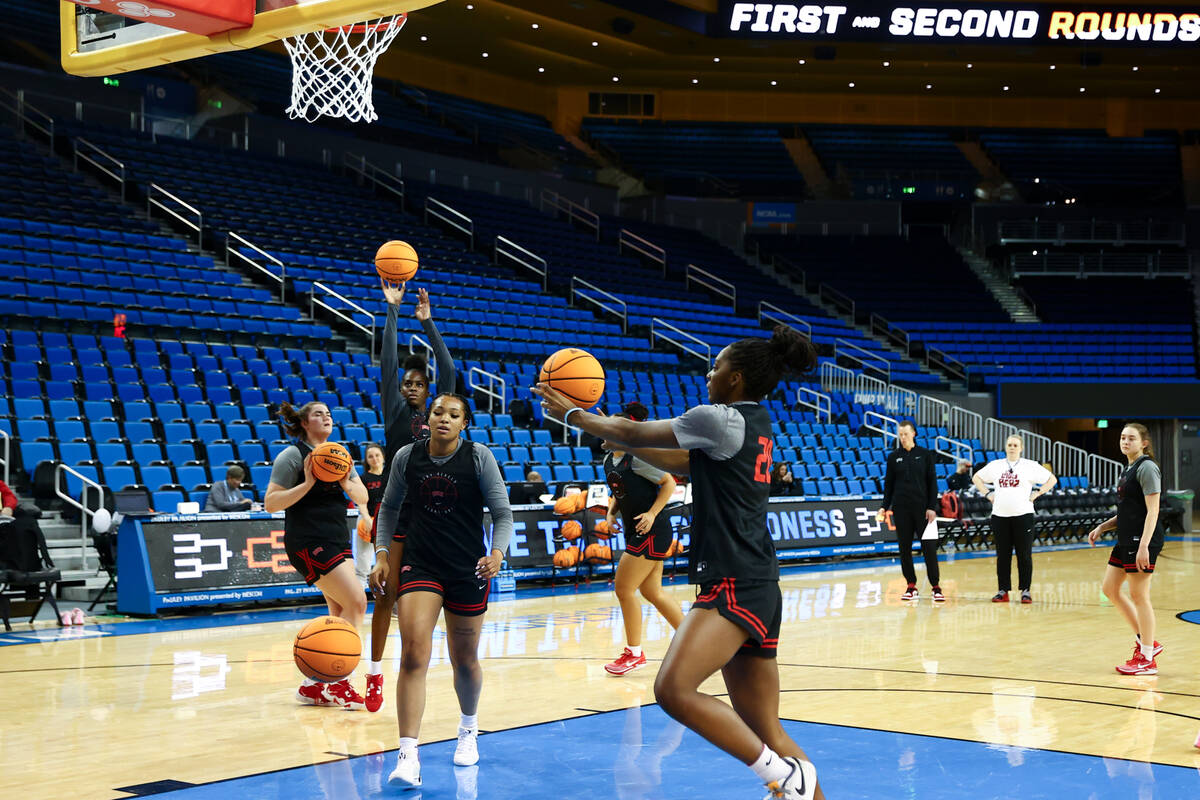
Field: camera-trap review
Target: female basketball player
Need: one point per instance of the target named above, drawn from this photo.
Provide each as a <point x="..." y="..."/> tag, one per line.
<point x="734" y="624"/>
<point x="446" y="481"/>
<point x="315" y="532"/>
<point x="640" y="491"/>
<point x="1139" y="541"/>
<point x="405" y="422"/>
<point x="373" y="479"/>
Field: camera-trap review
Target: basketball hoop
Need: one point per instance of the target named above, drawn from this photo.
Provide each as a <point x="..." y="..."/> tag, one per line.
<point x="332" y="69"/>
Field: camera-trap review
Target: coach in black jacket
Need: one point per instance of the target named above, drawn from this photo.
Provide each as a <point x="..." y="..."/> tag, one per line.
<point x="910" y="494"/>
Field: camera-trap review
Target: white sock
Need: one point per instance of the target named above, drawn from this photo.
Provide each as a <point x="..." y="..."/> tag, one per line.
<point x="770" y="766"/>
<point x="636" y="649"/>
<point x="408" y="746"/>
<point x="469" y="722"/>
<point x="375" y="668"/>
<point x="1147" y="650"/>
<point x="311" y="682"/>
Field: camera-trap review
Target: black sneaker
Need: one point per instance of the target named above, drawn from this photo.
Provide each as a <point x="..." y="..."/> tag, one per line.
<point x="938" y="597"/>
<point x="1000" y="597"/>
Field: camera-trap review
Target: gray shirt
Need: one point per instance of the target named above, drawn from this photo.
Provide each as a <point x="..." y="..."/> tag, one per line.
<point x="223" y="497"/>
<point x="490" y="482"/>
<point x="1150" y="477"/>
<point x="718" y="430"/>
<point x="288" y="470"/>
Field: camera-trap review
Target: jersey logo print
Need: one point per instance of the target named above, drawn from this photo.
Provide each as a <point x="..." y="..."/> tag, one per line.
<point x="1009" y="480"/>
<point x="616" y="484"/>
<point x="762" y="464"/>
<point x="439" y="493"/>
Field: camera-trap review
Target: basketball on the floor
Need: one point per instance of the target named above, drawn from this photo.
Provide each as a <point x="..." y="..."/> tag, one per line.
<point x="396" y="261"/>
<point x="576" y="374"/>
<point x="330" y="462"/>
<point x="327" y="649"/>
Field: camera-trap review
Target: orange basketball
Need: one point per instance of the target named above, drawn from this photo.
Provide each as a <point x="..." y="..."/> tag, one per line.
<point x="330" y="462"/>
<point x="577" y="374"/>
<point x="327" y="649"/>
<point x="396" y="261"/>
<point x="571" y="530"/>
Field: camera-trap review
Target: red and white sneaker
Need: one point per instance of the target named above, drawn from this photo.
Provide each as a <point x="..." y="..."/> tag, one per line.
<point x="374" y="699"/>
<point x="1000" y="597"/>
<point x="343" y="694"/>
<point x="938" y="597"/>
<point x="626" y="662"/>
<point x="911" y="593"/>
<point x="313" y="694"/>
<point x="1138" y="665"/>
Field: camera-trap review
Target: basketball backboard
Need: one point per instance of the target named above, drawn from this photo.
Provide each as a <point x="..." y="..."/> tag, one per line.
<point x="96" y="42"/>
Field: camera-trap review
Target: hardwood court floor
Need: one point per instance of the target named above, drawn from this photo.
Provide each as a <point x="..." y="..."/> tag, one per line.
<point x="124" y="705"/>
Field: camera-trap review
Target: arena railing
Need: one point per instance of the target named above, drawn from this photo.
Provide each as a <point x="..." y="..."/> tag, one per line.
<point x="7" y="459"/>
<point x="710" y="281"/>
<point x="820" y="403"/>
<point x="114" y="168"/>
<point x="430" y="358"/>
<point x="655" y="333"/>
<point x="774" y="313"/>
<point x="521" y="257"/>
<point x="314" y="301"/>
<point x="85" y="513"/>
<point x="28" y="116"/>
<point x="933" y="412"/>
<point x="644" y="247"/>
<point x="1103" y="471"/>
<point x="622" y="312"/>
<point x="839" y="300"/>
<point x="964" y="423"/>
<point x="1091" y="231"/>
<point x="575" y="212"/>
<point x="938" y="359"/>
<point x="952" y="448"/>
<point x="455" y="219"/>
<point x="490" y="389"/>
<point x="379" y="178"/>
<point x="843" y="348"/>
<point x="899" y="337"/>
<point x="887" y="427"/>
<point x="280" y="277"/>
<point x="158" y="197"/>
<point x="1069" y="459"/>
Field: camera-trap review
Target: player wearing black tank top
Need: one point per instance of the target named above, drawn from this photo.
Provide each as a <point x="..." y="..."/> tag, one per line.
<point x="316" y="533"/>
<point x="639" y="491"/>
<point x="1140" y="538"/>
<point x="374" y="479"/>
<point x="734" y="624"/>
<point x="444" y="483"/>
<point x="404" y="418"/>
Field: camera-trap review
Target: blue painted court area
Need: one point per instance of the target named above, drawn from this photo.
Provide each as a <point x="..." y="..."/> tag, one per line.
<point x="641" y="754"/>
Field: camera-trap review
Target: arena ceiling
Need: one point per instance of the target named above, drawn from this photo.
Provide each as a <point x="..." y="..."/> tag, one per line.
<point x="628" y="45"/>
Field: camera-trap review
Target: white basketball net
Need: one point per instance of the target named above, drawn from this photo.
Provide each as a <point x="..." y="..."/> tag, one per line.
<point x="332" y="70"/>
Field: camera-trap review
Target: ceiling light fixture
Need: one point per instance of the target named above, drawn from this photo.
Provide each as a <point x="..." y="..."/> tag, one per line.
<point x="616" y="79"/>
<point x="695" y="80"/>
<point x="716" y="59"/>
<point x="534" y="26"/>
<point x="1053" y="67"/>
<point x="484" y="55"/>
<point x="774" y="83"/>
<point x="970" y="66"/>
<point x="1081" y="89"/>
<point x="1135" y="69"/>
<point x="541" y="69"/>
<point x="595" y="44"/>
<point x="424" y="38"/>
<point x="470" y="7"/>
<point x="802" y="62"/>
<point x="886" y="63"/>
<point x="929" y="86"/>
<point x="1157" y="91"/>
<point x="1006" y="88"/>
<point x="851" y="84"/>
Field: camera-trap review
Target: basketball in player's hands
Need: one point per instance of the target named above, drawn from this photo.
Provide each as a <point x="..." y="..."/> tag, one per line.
<point x="575" y="374"/>
<point x="396" y="261"/>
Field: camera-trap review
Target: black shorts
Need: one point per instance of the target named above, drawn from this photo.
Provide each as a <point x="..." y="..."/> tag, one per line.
<point x="756" y="606"/>
<point x="1124" y="556"/>
<point x="316" y="559"/>
<point x="652" y="546"/>
<point x="467" y="597"/>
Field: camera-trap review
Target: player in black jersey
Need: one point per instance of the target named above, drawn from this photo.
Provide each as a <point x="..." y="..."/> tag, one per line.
<point x="315" y="532"/>
<point x="374" y="479"/>
<point x="444" y="483"/>
<point x="640" y="491"/>
<point x="734" y="624"/>
<point x="404" y="419"/>
<point x="1140" y="536"/>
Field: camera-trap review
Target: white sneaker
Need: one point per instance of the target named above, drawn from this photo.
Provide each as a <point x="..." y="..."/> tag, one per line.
<point x="407" y="773"/>
<point x="466" y="752"/>
<point x="801" y="784"/>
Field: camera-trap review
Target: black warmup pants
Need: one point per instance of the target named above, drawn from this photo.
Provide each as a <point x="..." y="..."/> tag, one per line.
<point x="910" y="524"/>
<point x="1007" y="533"/>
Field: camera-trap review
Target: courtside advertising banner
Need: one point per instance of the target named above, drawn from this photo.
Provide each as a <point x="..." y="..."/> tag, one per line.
<point x="977" y="23"/>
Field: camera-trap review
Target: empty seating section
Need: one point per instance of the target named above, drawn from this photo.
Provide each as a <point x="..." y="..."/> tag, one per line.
<point x="1110" y="299"/>
<point x="1070" y="351"/>
<point x="919" y="277"/>
<point x="1088" y="165"/>
<point x="702" y="158"/>
<point x="880" y="161"/>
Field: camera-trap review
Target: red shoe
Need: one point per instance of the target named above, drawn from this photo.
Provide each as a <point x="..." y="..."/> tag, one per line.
<point x="374" y="693"/>
<point x="910" y="593"/>
<point x="1000" y="597"/>
<point x="343" y="694"/>
<point x="1026" y="597"/>
<point x="626" y="662"/>
<point x="938" y="597"/>
<point x="313" y="694"/>
<point x="1138" y="665"/>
